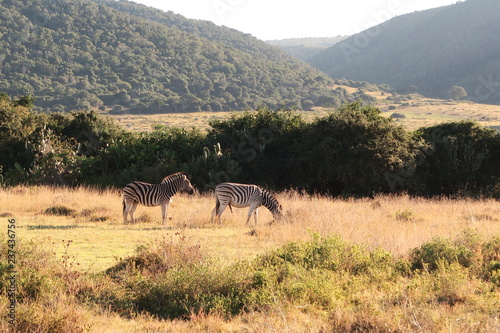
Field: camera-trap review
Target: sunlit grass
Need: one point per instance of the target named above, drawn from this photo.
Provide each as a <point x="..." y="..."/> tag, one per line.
<point x="418" y="112"/>
<point x="394" y="223"/>
<point x="90" y="237"/>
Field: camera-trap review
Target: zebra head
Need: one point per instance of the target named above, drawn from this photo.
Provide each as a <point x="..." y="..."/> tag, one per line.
<point x="185" y="185"/>
<point x="181" y="181"/>
<point x="271" y="203"/>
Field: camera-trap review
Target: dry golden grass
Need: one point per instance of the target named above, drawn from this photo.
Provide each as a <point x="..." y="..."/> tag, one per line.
<point x="188" y="120"/>
<point x="394" y="223"/>
<point x="424" y="112"/>
<point x="99" y="237"/>
<point x="419" y="112"/>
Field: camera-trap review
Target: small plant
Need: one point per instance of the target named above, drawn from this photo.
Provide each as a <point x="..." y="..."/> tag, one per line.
<point x="59" y="211"/>
<point x="158" y="258"/>
<point x="144" y="218"/>
<point x="405" y="215"/>
<point x="439" y="250"/>
<point x="451" y="284"/>
<point x="96" y="214"/>
<point x="397" y="115"/>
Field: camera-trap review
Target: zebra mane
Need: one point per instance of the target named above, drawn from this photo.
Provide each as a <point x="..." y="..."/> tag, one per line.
<point x="174" y="176"/>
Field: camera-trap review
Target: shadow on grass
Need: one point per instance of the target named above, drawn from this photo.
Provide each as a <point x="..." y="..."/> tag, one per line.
<point x="53" y="227"/>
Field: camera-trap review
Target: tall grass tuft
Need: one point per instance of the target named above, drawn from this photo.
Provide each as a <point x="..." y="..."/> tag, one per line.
<point x="44" y="301"/>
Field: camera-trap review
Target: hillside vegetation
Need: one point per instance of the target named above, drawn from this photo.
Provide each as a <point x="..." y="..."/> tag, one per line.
<point x="428" y="51"/>
<point x="125" y="57"/>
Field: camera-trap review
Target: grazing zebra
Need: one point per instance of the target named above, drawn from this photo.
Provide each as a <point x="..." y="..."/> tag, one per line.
<point x="154" y="194"/>
<point x="242" y="195"/>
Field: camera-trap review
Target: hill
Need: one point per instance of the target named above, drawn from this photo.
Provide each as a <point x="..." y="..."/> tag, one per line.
<point x="305" y="48"/>
<point x="125" y="57"/>
<point x="428" y="51"/>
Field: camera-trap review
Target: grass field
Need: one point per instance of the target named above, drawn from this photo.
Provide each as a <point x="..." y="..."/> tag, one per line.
<point x="415" y="112"/>
<point x="95" y="223"/>
<point x="428" y="112"/>
<point x="85" y="231"/>
<point x="188" y="120"/>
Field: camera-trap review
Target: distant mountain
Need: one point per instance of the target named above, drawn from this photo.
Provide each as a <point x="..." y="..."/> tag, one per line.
<point x="305" y="48"/>
<point x="125" y="57"/>
<point x="430" y="51"/>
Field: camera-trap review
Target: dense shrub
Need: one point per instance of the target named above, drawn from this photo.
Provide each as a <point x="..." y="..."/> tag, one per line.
<point x="354" y="151"/>
<point x="183" y="282"/>
<point x="263" y="143"/>
<point x="461" y="157"/>
<point x="481" y="258"/>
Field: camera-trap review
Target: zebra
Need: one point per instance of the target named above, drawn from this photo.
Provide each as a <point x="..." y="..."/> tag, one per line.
<point x="244" y="195"/>
<point x="154" y="194"/>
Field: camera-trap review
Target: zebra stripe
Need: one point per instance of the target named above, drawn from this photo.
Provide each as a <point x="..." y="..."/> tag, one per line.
<point x="150" y="195"/>
<point x="243" y="195"/>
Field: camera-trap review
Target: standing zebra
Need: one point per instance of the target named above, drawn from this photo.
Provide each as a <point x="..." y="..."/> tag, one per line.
<point x="242" y="195"/>
<point x="154" y="194"/>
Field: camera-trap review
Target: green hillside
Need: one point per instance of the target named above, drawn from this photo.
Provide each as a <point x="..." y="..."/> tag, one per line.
<point x="428" y="51"/>
<point x="124" y="57"/>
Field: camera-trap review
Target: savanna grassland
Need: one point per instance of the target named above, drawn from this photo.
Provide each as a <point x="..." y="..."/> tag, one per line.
<point x="410" y="111"/>
<point x="385" y="264"/>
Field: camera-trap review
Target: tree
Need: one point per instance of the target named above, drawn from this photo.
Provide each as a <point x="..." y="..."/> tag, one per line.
<point x="356" y="151"/>
<point x="461" y="157"/>
<point x="457" y="93"/>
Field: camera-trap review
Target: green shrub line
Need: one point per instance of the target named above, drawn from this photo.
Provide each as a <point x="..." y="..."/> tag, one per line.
<point x="353" y="151"/>
<point x="175" y="280"/>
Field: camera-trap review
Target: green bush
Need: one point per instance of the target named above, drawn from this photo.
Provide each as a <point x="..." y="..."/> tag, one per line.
<point x="461" y="158"/>
<point x="262" y="143"/>
<point x="356" y="151"/>
<point x="175" y="285"/>
<point x="431" y="254"/>
<point x="469" y="250"/>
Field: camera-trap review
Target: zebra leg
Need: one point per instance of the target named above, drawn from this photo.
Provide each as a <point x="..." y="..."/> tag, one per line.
<point x="164" y="212"/>
<point x="214" y="211"/>
<point x="250" y="211"/>
<point x="219" y="212"/>
<point x="132" y="209"/>
<point x="253" y="209"/>
<point x="126" y="209"/>
<point x="129" y="207"/>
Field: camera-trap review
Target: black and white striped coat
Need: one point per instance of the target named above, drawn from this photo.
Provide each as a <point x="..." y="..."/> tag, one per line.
<point x="147" y="194"/>
<point x="244" y="195"/>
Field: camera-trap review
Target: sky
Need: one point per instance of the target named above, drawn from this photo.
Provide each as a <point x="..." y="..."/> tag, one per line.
<point x="281" y="19"/>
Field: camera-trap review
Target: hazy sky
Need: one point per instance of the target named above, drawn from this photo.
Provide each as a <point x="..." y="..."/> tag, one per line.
<point x="278" y="19"/>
